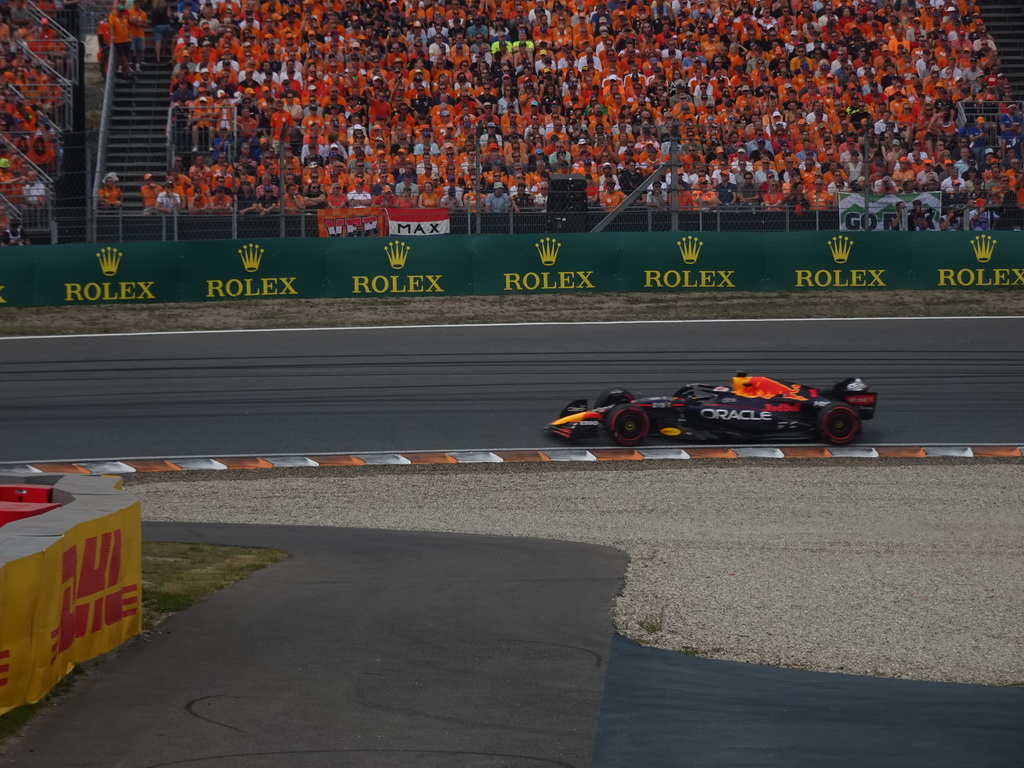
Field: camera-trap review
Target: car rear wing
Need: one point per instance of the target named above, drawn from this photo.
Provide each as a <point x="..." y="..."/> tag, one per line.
<point x="855" y="392"/>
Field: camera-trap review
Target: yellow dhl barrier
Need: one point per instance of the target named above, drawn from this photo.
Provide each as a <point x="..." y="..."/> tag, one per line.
<point x="71" y="601"/>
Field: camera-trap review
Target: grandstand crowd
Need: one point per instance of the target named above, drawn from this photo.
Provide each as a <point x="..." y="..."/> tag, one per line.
<point x="30" y="98"/>
<point x="771" y="103"/>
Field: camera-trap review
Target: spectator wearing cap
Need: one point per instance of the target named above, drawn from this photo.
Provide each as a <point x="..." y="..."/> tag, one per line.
<point x="976" y="135"/>
<point x="981" y="218"/>
<point x="121" y="38"/>
<point x="498" y="200"/>
<point x="359" y="196"/>
<point x="149" y="191"/>
<point x="109" y="194"/>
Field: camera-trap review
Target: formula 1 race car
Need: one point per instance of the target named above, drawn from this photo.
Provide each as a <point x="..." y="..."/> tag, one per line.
<point x="752" y="408"/>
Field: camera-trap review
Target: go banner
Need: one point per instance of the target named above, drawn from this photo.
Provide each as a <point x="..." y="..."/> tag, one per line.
<point x="885" y="212"/>
<point x="75" y="599"/>
<point x="242" y="270"/>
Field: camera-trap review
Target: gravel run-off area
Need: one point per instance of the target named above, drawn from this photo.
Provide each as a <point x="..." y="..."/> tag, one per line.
<point x="908" y="569"/>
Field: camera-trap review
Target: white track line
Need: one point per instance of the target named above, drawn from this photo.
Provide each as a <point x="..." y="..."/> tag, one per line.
<point x="506" y="325"/>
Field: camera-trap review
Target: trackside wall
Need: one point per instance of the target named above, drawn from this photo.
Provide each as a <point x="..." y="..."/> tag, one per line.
<point x="493" y="265"/>
<point x="70" y="583"/>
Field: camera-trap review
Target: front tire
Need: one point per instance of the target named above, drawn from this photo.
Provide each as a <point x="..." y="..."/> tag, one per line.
<point x="613" y="396"/>
<point x="838" y="423"/>
<point x="628" y="425"/>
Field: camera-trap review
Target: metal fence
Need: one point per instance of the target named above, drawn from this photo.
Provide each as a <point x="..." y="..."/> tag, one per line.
<point x="125" y="224"/>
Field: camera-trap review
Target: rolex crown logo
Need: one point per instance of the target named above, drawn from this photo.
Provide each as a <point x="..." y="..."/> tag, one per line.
<point x="840" y="247"/>
<point x="110" y="260"/>
<point x="689" y="249"/>
<point x="251" y="255"/>
<point x="548" y="249"/>
<point x="397" y="252"/>
<point x="983" y="246"/>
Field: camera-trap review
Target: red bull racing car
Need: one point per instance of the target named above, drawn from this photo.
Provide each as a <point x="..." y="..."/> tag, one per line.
<point x="751" y="408"/>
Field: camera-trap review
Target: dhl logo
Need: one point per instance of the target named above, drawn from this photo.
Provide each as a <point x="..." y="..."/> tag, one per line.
<point x="5" y="666"/>
<point x="91" y="597"/>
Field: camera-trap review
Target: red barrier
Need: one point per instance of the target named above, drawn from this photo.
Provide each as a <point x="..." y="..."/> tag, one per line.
<point x="14" y="510"/>
<point x="34" y="494"/>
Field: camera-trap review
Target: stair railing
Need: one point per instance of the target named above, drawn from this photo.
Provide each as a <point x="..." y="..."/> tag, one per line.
<point x="101" y="150"/>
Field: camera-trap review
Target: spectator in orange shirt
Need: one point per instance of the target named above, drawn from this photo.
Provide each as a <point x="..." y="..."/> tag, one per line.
<point x="611" y="197"/>
<point x="110" y="195"/>
<point x="121" y="38"/>
<point x="149" y="191"/>
<point x="428" y="197"/>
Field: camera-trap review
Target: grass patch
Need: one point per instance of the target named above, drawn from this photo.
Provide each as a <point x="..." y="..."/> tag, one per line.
<point x="652" y="623"/>
<point x="174" y="576"/>
<point x="564" y="307"/>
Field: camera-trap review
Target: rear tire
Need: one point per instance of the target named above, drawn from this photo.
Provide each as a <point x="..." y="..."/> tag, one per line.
<point x="838" y="423"/>
<point x="613" y="396"/>
<point x="628" y="425"/>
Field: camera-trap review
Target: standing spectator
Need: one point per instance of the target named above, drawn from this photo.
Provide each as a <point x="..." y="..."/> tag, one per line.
<point x="160" y="18"/>
<point x="110" y="195"/>
<point x="149" y="191"/>
<point x="138" y="20"/>
<point x="981" y="218"/>
<point x="121" y="38"/>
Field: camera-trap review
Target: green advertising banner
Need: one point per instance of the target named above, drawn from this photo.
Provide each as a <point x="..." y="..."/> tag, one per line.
<point x="570" y="263"/>
<point x="674" y="261"/>
<point x="416" y="266"/>
<point x="833" y="261"/>
<point x="224" y="270"/>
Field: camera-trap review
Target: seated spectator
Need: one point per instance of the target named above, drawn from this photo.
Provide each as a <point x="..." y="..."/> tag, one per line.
<point x="497" y="200"/>
<point x="33" y="192"/>
<point x="359" y="196"/>
<point x="109" y="194"/>
<point x="293" y="200"/>
<point x="314" y="197"/>
<point x="428" y="198"/>
<point x="246" y="201"/>
<point x="168" y="201"/>
<point x="221" y="200"/>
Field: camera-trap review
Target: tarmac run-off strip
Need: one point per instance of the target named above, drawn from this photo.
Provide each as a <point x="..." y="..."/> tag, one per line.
<point x="128" y="466"/>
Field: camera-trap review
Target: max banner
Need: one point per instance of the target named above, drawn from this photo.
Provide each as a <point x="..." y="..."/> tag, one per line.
<point x="409" y="222"/>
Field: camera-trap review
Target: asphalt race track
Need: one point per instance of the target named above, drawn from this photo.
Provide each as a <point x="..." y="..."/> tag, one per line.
<point x="952" y="381"/>
<point x="483" y="651"/>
